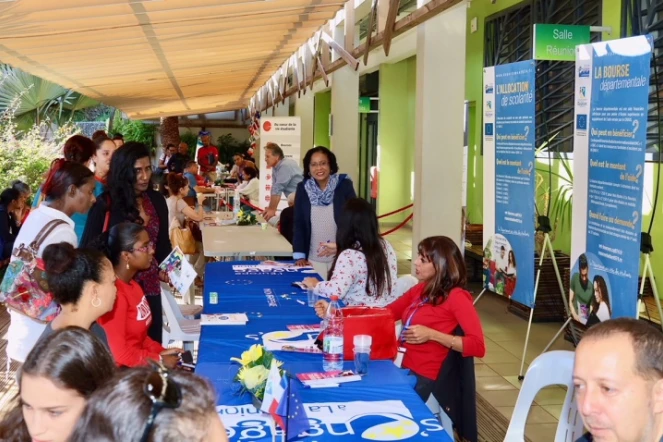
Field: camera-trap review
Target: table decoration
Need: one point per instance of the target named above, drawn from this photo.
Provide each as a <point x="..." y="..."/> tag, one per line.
<point x="252" y="376"/>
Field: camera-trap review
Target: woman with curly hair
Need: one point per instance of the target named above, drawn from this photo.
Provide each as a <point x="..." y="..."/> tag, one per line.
<point x="131" y="198"/>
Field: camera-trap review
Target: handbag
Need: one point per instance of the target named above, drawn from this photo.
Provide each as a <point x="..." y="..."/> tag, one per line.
<point x="24" y="287"/>
<point x="195" y="230"/>
<point x="183" y="238"/>
<point x="374" y="321"/>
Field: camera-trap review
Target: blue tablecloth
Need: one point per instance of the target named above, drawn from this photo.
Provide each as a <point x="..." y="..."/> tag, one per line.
<point x="382" y="406"/>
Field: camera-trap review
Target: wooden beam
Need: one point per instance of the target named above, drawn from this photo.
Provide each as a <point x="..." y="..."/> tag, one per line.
<point x="426" y="12"/>
<point x="322" y="71"/>
<point x="389" y="26"/>
<point x="349" y="26"/>
<point x="382" y="14"/>
<point x="371" y="21"/>
<point x="325" y="53"/>
<point x="349" y="59"/>
<point x="210" y="124"/>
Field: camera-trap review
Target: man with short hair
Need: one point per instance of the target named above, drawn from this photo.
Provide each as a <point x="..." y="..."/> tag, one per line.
<point x="168" y="153"/>
<point x="581" y="291"/>
<point x="618" y="378"/>
<point x="286" y="175"/>
<point x="177" y="162"/>
<point x="208" y="156"/>
<point x="196" y="182"/>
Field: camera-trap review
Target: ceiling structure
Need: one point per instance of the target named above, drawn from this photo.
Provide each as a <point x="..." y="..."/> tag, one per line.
<point x="154" y="58"/>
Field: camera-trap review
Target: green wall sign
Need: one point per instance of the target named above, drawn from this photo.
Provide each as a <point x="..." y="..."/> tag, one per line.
<point x="558" y="42"/>
<point x="364" y="105"/>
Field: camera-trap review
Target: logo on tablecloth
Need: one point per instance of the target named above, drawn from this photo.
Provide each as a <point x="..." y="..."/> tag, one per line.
<point x="369" y="420"/>
<point x="271" y="299"/>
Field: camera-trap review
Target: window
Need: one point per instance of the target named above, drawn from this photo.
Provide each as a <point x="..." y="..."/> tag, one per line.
<point x="508" y="39"/>
<point x="642" y="17"/>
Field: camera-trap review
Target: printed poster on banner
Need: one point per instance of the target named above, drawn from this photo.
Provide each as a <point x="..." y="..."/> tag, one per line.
<point x="287" y="133"/>
<point x="509" y="149"/>
<point x="612" y="102"/>
<point x="388" y="420"/>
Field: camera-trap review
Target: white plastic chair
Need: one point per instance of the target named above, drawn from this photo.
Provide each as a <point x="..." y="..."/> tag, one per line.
<point x="551" y="368"/>
<point x="183" y="311"/>
<point x="178" y="329"/>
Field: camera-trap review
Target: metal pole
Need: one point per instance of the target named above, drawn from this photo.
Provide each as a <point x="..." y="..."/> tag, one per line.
<point x="649" y="273"/>
<point x="479" y="297"/>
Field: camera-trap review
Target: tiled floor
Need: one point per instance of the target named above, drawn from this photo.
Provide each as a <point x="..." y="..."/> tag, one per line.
<point x="497" y="373"/>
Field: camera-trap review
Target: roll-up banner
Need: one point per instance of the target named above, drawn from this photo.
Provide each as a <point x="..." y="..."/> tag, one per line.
<point x="611" y="108"/>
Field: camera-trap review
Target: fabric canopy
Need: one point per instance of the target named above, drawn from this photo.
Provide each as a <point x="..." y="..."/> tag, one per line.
<point x="154" y="58"/>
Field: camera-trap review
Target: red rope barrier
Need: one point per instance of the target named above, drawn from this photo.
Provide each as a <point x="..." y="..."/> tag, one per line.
<point x="396" y="211"/>
<point x="407" y="220"/>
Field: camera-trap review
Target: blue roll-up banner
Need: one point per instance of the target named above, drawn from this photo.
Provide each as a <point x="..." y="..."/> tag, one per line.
<point x="509" y="131"/>
<point x="612" y="103"/>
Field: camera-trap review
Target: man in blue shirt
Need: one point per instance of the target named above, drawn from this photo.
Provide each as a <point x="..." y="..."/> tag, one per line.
<point x="618" y="378"/>
<point x="286" y="175"/>
<point x="190" y="172"/>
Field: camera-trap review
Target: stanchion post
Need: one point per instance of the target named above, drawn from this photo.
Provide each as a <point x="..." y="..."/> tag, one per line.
<point x="479" y="297"/>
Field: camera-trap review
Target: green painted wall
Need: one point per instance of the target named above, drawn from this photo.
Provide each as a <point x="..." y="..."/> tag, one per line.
<point x="396" y="136"/>
<point x="321" y="119"/>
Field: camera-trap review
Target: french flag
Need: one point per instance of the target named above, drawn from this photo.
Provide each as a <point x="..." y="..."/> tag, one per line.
<point x="275" y="389"/>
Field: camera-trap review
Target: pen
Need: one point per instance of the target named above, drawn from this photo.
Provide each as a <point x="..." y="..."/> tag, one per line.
<point x="301" y="302"/>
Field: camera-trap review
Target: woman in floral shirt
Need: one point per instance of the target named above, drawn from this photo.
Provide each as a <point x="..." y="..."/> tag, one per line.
<point x="364" y="271"/>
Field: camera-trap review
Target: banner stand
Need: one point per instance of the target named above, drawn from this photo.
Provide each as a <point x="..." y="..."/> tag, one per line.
<point x="646" y="248"/>
<point x="547" y="247"/>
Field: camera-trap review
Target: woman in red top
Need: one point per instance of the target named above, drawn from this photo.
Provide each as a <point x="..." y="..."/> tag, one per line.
<point x="130" y="250"/>
<point x="431" y="311"/>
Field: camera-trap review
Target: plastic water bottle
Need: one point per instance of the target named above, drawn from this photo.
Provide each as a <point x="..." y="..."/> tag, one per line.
<point x="332" y="343"/>
<point x="236" y="204"/>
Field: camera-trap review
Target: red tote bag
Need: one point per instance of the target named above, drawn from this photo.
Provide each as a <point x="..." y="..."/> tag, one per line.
<point x="374" y="321"/>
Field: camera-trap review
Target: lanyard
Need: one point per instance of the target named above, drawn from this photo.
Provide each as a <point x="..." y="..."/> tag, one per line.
<point x="413" y="310"/>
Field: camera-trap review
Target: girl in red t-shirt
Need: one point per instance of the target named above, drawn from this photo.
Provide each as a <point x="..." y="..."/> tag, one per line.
<point x="130" y="250"/>
<point x="431" y="311"/>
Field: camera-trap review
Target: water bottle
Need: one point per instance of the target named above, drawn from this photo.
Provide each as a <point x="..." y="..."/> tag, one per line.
<point x="236" y="204"/>
<point x="332" y="343"/>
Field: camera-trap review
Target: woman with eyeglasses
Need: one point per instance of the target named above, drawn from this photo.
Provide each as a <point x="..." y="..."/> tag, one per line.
<point x="55" y="382"/>
<point x="130" y="250"/>
<point x="319" y="202"/>
<point x="130" y="197"/>
<point x="431" y="310"/>
<point x="152" y="404"/>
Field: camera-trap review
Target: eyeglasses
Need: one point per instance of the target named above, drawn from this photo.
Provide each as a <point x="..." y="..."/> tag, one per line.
<point x="163" y="393"/>
<point x="145" y="248"/>
<point x="321" y="164"/>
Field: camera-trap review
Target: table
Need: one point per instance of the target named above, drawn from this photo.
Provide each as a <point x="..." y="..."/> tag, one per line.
<point x="382" y="406"/>
<point x="237" y="241"/>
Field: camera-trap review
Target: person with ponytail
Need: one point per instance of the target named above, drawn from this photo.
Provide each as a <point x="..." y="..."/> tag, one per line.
<point x="69" y="189"/>
<point x="83" y="283"/>
<point x="55" y="382"/>
<point x="77" y="149"/>
<point x="365" y="269"/>
<point x="131" y="198"/>
<point x="130" y="250"/>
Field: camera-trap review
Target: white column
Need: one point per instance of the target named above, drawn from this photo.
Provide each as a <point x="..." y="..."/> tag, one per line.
<point x="345" y="121"/>
<point x="305" y="109"/>
<point x="439" y="127"/>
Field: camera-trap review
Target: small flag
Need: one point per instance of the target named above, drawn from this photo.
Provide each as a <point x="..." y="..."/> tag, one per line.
<point x="273" y="393"/>
<point x="291" y="409"/>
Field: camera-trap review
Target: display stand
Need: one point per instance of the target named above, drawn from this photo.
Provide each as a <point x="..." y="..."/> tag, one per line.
<point x="544" y="226"/>
<point x="646" y="248"/>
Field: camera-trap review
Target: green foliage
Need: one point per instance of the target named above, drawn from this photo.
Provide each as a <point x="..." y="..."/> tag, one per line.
<point x="135" y="130"/>
<point x="27" y="155"/>
<point x="229" y="146"/>
<point x="34" y="100"/>
<point x="559" y="196"/>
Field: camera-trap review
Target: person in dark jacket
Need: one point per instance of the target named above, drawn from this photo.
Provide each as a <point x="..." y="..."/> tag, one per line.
<point x="287" y="220"/>
<point x="9" y="202"/>
<point x="130" y="197"/>
<point x="319" y="203"/>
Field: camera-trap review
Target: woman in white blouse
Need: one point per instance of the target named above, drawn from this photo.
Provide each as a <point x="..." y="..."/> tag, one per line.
<point x="69" y="189"/>
<point x="250" y="188"/>
<point x="364" y="270"/>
